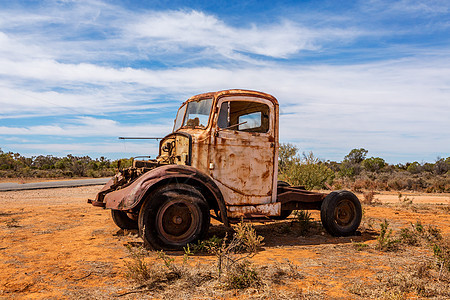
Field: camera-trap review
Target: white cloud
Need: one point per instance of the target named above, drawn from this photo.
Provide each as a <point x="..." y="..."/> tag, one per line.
<point x="90" y="127"/>
<point x="406" y="97"/>
<point x="196" y="29"/>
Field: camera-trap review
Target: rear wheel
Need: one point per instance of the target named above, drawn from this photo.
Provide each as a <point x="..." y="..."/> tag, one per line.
<point x="173" y="216"/>
<point x="123" y="220"/>
<point x="341" y="213"/>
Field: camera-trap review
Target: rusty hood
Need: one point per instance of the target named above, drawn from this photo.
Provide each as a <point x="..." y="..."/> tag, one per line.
<point x="131" y="195"/>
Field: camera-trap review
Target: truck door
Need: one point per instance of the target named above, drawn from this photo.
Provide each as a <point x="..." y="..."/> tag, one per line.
<point x="243" y="154"/>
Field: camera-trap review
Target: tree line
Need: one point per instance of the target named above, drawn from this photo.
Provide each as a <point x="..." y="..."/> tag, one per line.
<point x="48" y="166"/>
<point x="356" y="171"/>
<point x="359" y="172"/>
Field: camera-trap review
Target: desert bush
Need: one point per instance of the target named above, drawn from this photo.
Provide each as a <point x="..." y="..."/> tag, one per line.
<point x="438" y="184"/>
<point x="244" y="243"/>
<point x="356" y="156"/>
<point x="409" y="237"/>
<point x="141" y="271"/>
<point x="203" y="245"/>
<point x="287" y="155"/>
<point x="418" y="234"/>
<point x="374" y="174"/>
<point x="373" y="164"/>
<point x="247" y="238"/>
<point x="242" y="275"/>
<point x="414" y="167"/>
<point x="441" y="166"/>
<point x="162" y="272"/>
<point x="431" y="236"/>
<point x="307" y="170"/>
<point x="358" y="185"/>
<point x="359" y="246"/>
<point x="349" y="170"/>
<point x="385" y="240"/>
<point x="159" y="276"/>
<point x="351" y="165"/>
<point x="441" y="251"/>
<point x="303" y="218"/>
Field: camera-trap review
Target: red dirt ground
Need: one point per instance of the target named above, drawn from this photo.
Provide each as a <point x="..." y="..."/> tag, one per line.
<point x="54" y="245"/>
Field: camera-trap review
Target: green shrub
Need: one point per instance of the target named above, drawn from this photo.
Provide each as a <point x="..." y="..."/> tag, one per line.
<point x="385" y="240"/>
<point x="414" y="168"/>
<point x="307" y="171"/>
<point x="248" y="240"/>
<point x="137" y="268"/>
<point x="304" y="221"/>
<point x="360" y="246"/>
<point x="242" y="275"/>
<point x="373" y="164"/>
<point x="441" y="252"/>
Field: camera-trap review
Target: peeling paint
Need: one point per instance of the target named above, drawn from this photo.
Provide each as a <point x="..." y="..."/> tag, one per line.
<point x="233" y="155"/>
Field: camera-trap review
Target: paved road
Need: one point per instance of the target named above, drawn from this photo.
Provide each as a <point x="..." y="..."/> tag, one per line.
<point x="51" y="184"/>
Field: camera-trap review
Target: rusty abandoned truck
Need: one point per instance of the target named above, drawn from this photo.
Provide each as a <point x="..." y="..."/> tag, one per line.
<point x="221" y="162"/>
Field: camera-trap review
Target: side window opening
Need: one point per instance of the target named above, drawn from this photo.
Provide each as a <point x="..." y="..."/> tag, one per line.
<point x="244" y="116"/>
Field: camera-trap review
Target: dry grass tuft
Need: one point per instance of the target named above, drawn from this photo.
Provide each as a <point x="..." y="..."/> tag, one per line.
<point x="158" y="275"/>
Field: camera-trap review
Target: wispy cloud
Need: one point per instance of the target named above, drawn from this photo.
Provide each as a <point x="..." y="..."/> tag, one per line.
<point x="89" y="127"/>
<point x="175" y="30"/>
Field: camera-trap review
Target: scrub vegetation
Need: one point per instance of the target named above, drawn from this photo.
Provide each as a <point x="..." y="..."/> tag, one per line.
<point x="361" y="173"/>
<point x="14" y="165"/>
<point x="356" y="171"/>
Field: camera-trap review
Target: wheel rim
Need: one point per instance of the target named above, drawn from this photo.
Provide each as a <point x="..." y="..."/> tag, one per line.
<point x="345" y="213"/>
<point x="178" y="220"/>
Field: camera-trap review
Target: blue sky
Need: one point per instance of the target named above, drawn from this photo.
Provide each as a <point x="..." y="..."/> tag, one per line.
<point x="75" y="75"/>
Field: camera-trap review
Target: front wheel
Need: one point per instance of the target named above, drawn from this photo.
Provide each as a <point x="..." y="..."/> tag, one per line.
<point x="341" y="213"/>
<point x="173" y="216"/>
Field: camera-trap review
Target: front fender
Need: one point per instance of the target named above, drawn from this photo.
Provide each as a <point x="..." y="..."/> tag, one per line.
<point x="132" y="195"/>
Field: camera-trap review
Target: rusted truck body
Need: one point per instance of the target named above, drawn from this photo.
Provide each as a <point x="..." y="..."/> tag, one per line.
<point x="220" y="161"/>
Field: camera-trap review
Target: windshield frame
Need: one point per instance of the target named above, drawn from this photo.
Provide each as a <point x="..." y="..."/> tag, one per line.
<point x="181" y="121"/>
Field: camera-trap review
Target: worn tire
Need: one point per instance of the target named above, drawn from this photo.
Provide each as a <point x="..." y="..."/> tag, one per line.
<point x="341" y="213"/>
<point x="172" y="216"/>
<point x="284" y="213"/>
<point x="123" y="220"/>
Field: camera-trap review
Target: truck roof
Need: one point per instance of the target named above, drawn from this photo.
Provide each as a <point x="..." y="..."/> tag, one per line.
<point x="234" y="92"/>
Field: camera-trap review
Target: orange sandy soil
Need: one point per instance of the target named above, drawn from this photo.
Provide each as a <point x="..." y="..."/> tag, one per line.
<point x="54" y="245"/>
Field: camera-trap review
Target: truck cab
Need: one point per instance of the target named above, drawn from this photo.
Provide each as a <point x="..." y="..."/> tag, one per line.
<point x="220" y="161"/>
<point x="232" y="136"/>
